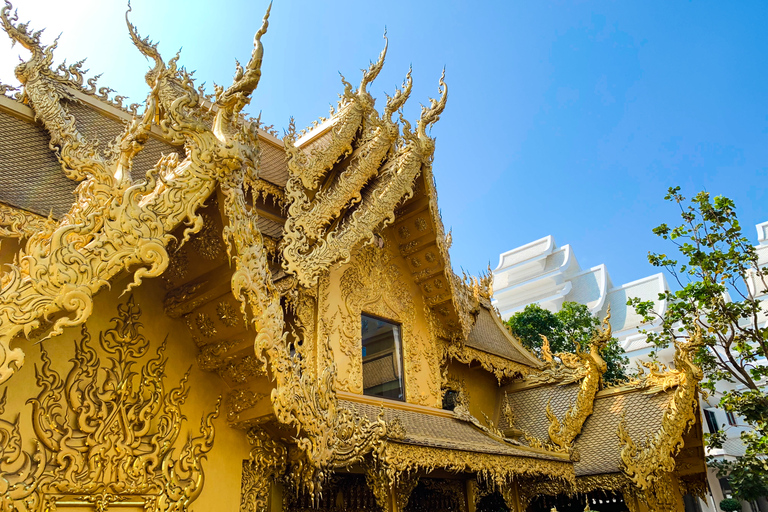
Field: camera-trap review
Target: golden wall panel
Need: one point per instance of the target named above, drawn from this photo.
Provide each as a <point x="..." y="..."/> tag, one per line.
<point x="221" y="488"/>
<point x="377" y="282"/>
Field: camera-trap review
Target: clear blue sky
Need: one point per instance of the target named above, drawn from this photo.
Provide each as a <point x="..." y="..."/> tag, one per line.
<point x="564" y="118"/>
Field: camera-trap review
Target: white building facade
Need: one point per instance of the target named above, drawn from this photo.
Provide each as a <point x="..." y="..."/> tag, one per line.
<point x="542" y="273"/>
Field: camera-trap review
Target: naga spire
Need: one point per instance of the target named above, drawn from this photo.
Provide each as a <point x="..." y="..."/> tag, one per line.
<point x="232" y="100"/>
<point x="147" y="48"/>
<point x="431" y="115"/>
<point x="370" y="74"/>
<point x="328" y="214"/>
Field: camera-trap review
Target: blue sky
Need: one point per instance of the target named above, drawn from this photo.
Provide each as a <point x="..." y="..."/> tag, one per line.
<point x="564" y="118"/>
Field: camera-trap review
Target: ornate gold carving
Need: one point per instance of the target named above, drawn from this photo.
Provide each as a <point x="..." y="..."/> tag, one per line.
<point x="240" y="400"/>
<point x="373" y="284"/>
<point x="458" y="386"/>
<point x="117" y="225"/>
<point x="17" y="223"/>
<point x="562" y="433"/>
<point x="205" y="325"/>
<point x="214" y="355"/>
<point x="263" y="188"/>
<point x="500" y="367"/>
<point x="240" y="370"/>
<point x="267" y="461"/>
<point x="207" y="242"/>
<point x="497" y="469"/>
<point x="107" y="437"/>
<point x="383" y="484"/>
<point x="327" y="221"/>
<point x="650" y="465"/>
<point x="228" y="315"/>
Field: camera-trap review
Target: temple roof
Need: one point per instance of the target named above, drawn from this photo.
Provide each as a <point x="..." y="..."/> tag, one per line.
<point x="489" y="335"/>
<point x="32" y="176"/>
<point x="445" y="430"/>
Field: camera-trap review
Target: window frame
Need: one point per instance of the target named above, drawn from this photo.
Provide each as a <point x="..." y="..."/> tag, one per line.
<point x="399" y="353"/>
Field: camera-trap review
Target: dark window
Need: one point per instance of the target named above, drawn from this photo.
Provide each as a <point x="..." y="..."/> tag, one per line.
<point x="731" y="418"/>
<point x="725" y="486"/>
<point x="450" y="400"/>
<point x="711" y="421"/>
<point x="382" y="359"/>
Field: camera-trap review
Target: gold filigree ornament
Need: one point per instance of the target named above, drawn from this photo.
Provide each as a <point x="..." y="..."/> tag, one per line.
<point x="115" y="224"/>
<point x="563" y="432"/>
<point x="106" y="434"/>
<point x="650" y="465"/>
<point x="267" y="461"/>
<point x="329" y="212"/>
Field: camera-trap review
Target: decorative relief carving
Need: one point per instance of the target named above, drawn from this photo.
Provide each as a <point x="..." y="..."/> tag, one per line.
<point x="240" y="400"/>
<point x="205" y="325"/>
<point x="240" y="370"/>
<point x="228" y="315"/>
<point x="327" y="220"/>
<point x="500" y="367"/>
<point x="499" y="470"/>
<point x="373" y="284"/>
<point x="117" y="225"/>
<point x="207" y="242"/>
<point x="650" y="465"/>
<point x="17" y="223"/>
<point x="267" y="461"/>
<point x="421" y="224"/>
<point x="213" y="355"/>
<point x="106" y="437"/>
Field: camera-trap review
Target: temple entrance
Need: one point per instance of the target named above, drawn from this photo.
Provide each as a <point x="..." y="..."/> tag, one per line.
<point x="599" y="501"/>
<point x="437" y="495"/>
<point x="344" y="493"/>
<point x="350" y="493"/>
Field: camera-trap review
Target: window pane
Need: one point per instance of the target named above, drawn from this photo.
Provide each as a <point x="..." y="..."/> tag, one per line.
<point x="711" y="421"/>
<point x="382" y="359"/>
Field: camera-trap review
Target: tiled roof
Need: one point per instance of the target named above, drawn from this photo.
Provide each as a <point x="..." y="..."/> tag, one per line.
<point x="489" y="335"/>
<point x="529" y="407"/>
<point x="598" y="444"/>
<point x="269" y="227"/>
<point x="273" y="167"/>
<point x="95" y="126"/>
<point x="443" y="432"/>
<point x="32" y="178"/>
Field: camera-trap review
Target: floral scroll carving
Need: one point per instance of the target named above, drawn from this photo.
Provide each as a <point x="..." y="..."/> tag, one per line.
<point x="373" y="284"/>
<point x="106" y="432"/>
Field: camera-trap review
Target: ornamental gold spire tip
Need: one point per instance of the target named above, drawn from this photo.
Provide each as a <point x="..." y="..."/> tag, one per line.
<point x="430" y="115"/>
<point x="370" y="74"/>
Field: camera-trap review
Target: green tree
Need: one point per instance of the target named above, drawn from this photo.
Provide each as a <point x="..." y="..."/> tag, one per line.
<point x="718" y="296"/>
<point x="571" y="325"/>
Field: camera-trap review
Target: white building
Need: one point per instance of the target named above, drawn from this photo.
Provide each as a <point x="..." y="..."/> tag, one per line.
<point x="542" y="273"/>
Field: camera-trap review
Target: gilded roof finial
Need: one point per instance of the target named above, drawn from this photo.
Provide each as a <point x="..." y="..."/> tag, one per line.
<point x="431" y="115"/>
<point x="374" y="69"/>
<point x="147" y="48"/>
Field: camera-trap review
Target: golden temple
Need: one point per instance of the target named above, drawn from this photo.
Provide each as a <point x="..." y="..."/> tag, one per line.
<point x="196" y="314"/>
